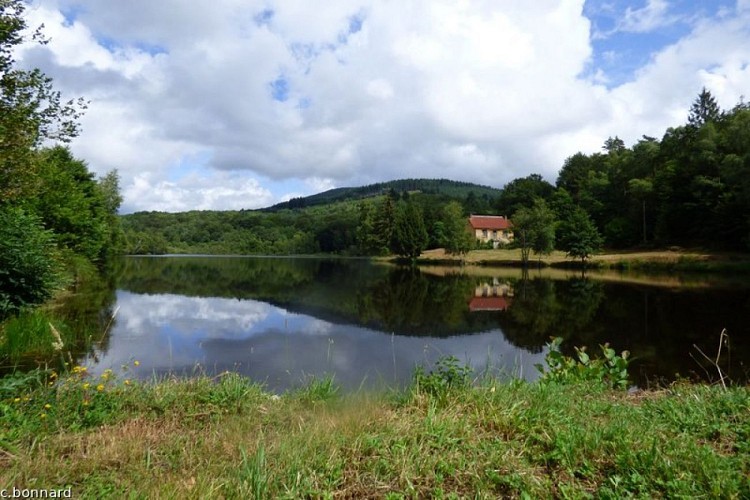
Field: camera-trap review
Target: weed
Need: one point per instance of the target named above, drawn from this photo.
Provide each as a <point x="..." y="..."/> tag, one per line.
<point x="610" y="370"/>
<point x="448" y="375"/>
<point x="253" y="475"/>
<point x="319" y="389"/>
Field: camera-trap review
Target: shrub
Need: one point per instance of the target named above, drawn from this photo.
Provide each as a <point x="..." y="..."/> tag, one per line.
<point x="28" y="268"/>
<point x="448" y="375"/>
<point x="611" y="370"/>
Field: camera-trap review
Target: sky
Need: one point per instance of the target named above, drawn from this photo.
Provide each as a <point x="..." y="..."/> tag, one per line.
<point x="240" y="104"/>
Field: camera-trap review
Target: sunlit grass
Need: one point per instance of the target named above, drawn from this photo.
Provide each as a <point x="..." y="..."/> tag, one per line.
<point x="226" y="436"/>
<point x="646" y="261"/>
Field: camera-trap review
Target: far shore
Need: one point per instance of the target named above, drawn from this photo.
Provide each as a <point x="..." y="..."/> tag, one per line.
<point x="669" y="260"/>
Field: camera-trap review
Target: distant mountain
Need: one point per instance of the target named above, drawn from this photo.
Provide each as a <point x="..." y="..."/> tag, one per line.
<point x="445" y="187"/>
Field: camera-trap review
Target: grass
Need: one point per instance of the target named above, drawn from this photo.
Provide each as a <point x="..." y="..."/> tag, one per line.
<point x="653" y="261"/>
<point x="32" y="334"/>
<point x="226" y="437"/>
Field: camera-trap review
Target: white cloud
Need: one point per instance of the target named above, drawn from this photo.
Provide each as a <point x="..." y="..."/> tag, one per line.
<point x="208" y="317"/>
<point x="364" y="91"/>
<point x="220" y="191"/>
<point x="714" y="55"/>
<point x="653" y="15"/>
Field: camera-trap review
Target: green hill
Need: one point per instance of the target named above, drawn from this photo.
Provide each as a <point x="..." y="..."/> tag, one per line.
<point x="444" y="187"/>
<point x="327" y="222"/>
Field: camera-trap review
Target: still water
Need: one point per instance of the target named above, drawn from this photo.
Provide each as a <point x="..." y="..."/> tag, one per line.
<point x="282" y="321"/>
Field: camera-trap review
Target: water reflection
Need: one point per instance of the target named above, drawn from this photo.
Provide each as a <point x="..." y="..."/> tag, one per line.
<point x="282" y="320"/>
<point x="170" y="333"/>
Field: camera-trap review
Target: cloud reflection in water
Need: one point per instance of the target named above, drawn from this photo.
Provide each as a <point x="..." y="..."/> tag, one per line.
<point x="171" y="333"/>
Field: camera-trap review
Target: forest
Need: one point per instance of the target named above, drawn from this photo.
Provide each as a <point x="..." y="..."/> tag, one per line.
<point x="691" y="188"/>
<point x="57" y="221"/>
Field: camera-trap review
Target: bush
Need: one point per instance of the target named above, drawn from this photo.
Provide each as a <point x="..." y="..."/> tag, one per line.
<point x="28" y="268"/>
<point x="611" y="370"/>
<point x="447" y="376"/>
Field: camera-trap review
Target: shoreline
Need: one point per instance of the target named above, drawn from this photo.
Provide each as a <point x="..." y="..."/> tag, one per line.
<point x="656" y="260"/>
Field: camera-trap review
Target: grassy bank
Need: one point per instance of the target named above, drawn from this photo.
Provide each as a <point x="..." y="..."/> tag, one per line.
<point x="227" y="437"/>
<point x="655" y="260"/>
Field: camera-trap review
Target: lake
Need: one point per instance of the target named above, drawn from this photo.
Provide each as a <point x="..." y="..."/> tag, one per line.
<point x="283" y="321"/>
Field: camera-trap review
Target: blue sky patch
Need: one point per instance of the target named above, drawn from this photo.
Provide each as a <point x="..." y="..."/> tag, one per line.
<point x="113" y="46"/>
<point x="304" y="103"/>
<point x="355" y="23"/>
<point x="280" y="89"/>
<point x="263" y="18"/>
<point x="71" y="14"/>
<point x="626" y="34"/>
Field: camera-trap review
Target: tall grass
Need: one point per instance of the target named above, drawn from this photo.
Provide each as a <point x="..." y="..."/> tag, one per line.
<point x="32" y="334"/>
<point x="227" y="437"/>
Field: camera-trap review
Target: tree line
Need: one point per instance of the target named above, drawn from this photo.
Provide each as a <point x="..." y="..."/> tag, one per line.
<point x="56" y="218"/>
<point x="690" y="188"/>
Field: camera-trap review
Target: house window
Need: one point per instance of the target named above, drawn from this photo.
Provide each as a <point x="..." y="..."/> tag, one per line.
<point x="484" y="233"/>
<point x="494" y="235"/>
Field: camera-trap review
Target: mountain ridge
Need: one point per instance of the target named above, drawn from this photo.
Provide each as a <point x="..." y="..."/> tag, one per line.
<point x="446" y="187"/>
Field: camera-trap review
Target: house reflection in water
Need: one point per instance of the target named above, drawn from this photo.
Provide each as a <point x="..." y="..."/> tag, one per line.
<point x="495" y="296"/>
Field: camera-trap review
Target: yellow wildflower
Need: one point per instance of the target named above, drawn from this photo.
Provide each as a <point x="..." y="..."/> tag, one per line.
<point x="136" y="363"/>
<point x="47" y="406"/>
<point x="127" y="382"/>
<point x="17" y="400"/>
<point x="100" y="387"/>
<point x="43" y="415"/>
<point x="86" y="385"/>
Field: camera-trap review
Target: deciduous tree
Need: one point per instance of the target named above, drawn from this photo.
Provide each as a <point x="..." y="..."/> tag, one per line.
<point x="457" y="239"/>
<point x="579" y="236"/>
<point x="31" y="110"/>
<point x="534" y="230"/>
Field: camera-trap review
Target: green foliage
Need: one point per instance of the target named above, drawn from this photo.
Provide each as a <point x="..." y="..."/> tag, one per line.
<point x="52" y="211"/>
<point x="319" y="389"/>
<point x="534" y="229"/>
<point x="449" y="375"/>
<point x="496" y="440"/>
<point x="71" y="204"/>
<point x="28" y="269"/>
<point x="610" y="370"/>
<point x="704" y="110"/>
<point x="689" y="188"/>
<point x="409" y="232"/>
<point x="455" y="236"/>
<point x="254" y="474"/>
<point x="31" y="111"/>
<point x="522" y="192"/>
<point x="579" y="236"/>
<point x="441" y="187"/>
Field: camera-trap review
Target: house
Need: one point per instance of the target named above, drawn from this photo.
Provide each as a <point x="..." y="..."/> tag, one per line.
<point x="496" y="296"/>
<point x="495" y="228"/>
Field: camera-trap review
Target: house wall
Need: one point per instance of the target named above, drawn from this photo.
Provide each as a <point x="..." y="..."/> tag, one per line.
<point x="495" y="236"/>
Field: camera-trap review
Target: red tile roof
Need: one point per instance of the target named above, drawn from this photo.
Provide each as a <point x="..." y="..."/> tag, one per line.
<point x="489" y="303"/>
<point x="489" y="222"/>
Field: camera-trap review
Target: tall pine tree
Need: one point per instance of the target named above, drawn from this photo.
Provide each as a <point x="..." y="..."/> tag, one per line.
<point x="704" y="110"/>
